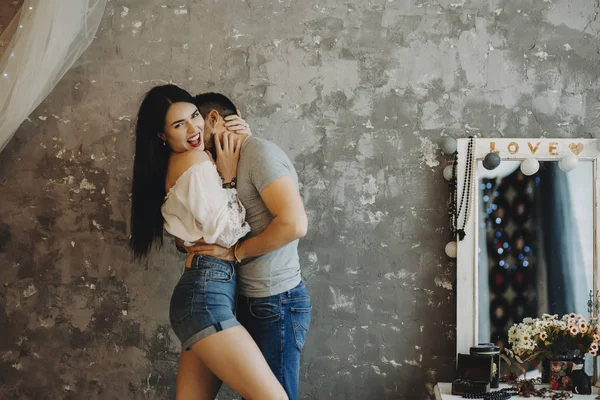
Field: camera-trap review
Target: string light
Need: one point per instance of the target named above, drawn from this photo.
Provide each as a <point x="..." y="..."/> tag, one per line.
<point x="12" y="54"/>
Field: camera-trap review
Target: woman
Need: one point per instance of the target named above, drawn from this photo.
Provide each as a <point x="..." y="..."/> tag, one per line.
<point x="176" y="184"/>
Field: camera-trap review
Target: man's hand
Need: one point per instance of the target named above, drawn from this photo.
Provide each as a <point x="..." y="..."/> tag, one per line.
<point x="180" y="246"/>
<point x="204" y="249"/>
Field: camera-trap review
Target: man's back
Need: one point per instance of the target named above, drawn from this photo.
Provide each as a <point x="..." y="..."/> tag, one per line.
<point x="262" y="162"/>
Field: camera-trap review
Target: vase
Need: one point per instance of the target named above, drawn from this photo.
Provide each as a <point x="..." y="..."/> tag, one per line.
<point x="545" y="370"/>
<point x="557" y="373"/>
<point x="581" y="381"/>
<point x="545" y="364"/>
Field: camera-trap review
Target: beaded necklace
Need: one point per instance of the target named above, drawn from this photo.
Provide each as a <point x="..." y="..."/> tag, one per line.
<point x="507" y="393"/>
<point x="502" y="394"/>
<point x="468" y="190"/>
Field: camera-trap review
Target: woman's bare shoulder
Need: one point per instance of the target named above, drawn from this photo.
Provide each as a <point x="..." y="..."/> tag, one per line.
<point x="189" y="158"/>
<point x="182" y="162"/>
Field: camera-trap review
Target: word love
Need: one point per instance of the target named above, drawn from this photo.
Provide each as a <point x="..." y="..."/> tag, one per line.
<point x="514" y="147"/>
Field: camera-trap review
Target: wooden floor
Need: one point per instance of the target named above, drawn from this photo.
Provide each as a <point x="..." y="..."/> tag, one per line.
<point x="8" y="9"/>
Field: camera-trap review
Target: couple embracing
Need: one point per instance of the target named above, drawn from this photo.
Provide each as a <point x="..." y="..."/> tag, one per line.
<point x="240" y="309"/>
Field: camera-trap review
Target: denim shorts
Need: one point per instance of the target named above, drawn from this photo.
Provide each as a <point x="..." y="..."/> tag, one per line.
<point x="203" y="302"/>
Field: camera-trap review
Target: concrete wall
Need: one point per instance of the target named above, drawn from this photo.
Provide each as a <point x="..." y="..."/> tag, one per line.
<point x="8" y="9"/>
<point x="358" y="93"/>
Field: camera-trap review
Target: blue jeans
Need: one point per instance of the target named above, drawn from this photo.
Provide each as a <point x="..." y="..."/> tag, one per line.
<point x="279" y="325"/>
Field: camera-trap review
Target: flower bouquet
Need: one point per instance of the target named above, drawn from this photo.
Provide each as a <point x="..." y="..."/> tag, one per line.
<point x="557" y="340"/>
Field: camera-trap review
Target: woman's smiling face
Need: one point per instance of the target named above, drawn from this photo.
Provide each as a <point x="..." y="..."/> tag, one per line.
<point x="184" y="128"/>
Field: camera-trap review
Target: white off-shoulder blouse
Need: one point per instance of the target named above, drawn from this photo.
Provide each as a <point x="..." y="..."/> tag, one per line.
<point x="198" y="207"/>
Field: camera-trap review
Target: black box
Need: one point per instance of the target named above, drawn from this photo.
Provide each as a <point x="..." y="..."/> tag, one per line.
<point x="464" y="386"/>
<point x="474" y="374"/>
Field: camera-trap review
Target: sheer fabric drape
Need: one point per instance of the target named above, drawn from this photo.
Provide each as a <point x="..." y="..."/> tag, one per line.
<point x="37" y="48"/>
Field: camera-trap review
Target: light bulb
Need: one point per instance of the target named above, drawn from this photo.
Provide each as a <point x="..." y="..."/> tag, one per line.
<point x="530" y="166"/>
<point x="451" y="250"/>
<point x="448" y="172"/>
<point x="448" y="145"/>
<point x="568" y="162"/>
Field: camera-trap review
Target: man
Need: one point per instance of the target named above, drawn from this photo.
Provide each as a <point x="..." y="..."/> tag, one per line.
<point x="273" y="303"/>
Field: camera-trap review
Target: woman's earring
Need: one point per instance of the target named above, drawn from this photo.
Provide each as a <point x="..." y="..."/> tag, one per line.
<point x="164" y="143"/>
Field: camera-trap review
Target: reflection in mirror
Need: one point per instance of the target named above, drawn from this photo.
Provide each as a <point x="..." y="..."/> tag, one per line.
<point x="535" y="244"/>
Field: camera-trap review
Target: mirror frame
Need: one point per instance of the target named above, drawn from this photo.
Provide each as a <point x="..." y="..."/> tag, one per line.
<point x="543" y="149"/>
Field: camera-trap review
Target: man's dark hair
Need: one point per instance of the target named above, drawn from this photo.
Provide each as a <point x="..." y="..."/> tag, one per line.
<point x="206" y="102"/>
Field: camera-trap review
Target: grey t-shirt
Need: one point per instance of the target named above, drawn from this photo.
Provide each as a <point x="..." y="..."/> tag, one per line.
<point x="262" y="162"/>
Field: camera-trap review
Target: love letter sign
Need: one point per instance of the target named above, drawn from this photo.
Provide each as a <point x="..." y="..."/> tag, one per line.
<point x="550" y="148"/>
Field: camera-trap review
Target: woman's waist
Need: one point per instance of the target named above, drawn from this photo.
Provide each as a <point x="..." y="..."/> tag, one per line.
<point x="204" y="269"/>
<point x="200" y="262"/>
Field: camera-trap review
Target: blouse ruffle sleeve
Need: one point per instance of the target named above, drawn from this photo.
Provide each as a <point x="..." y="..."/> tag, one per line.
<point x="218" y="211"/>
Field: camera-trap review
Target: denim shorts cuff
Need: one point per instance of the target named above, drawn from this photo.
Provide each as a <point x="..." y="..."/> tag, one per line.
<point x="218" y="327"/>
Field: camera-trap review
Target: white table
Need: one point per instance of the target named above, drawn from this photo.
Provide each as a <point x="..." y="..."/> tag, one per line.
<point x="445" y="393"/>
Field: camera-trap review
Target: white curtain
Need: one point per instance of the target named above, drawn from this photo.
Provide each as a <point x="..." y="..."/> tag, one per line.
<point x="37" y="48"/>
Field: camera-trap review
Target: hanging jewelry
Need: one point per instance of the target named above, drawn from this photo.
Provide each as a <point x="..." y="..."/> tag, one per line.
<point x="468" y="190"/>
<point x="452" y="211"/>
<point x="471" y="184"/>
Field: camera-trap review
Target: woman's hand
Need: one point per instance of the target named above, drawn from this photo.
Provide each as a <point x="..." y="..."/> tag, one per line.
<point x="228" y="155"/>
<point x="235" y="123"/>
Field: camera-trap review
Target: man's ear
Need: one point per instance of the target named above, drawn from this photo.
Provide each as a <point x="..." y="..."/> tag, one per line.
<point x="213" y="117"/>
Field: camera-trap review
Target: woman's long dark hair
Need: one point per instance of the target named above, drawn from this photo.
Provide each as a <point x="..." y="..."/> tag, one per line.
<point x="150" y="167"/>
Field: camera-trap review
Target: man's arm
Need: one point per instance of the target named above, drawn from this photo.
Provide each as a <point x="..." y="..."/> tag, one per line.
<point x="289" y="223"/>
<point x="289" y="220"/>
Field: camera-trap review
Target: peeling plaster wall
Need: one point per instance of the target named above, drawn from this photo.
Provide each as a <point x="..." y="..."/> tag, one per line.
<point x="358" y="93"/>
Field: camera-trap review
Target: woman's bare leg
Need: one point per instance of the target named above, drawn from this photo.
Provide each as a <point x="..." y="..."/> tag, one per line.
<point x="194" y="380"/>
<point x="233" y="356"/>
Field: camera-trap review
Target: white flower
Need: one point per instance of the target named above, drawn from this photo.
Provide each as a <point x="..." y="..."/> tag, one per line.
<point x="543" y="336"/>
<point x="574" y="330"/>
<point x="562" y="325"/>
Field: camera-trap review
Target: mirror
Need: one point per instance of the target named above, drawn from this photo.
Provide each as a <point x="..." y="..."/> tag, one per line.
<point x="523" y="234"/>
<point x="535" y="245"/>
